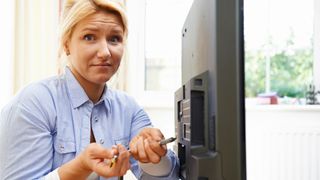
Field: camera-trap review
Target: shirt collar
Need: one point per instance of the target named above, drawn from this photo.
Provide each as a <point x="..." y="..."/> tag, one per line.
<point x="78" y="95"/>
<point x="107" y="97"/>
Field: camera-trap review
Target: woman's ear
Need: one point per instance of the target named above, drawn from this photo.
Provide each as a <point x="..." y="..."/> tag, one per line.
<point x="66" y="49"/>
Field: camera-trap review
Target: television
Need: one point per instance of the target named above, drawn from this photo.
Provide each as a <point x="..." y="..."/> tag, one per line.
<point x="210" y="104"/>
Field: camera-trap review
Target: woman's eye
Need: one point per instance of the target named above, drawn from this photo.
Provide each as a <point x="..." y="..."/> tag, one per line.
<point x="115" y="39"/>
<point x="88" y="37"/>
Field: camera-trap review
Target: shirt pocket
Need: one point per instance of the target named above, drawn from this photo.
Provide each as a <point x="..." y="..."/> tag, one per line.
<point x="122" y="140"/>
<point x="64" y="151"/>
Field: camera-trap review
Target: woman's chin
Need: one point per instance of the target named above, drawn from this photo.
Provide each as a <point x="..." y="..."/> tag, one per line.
<point x="102" y="79"/>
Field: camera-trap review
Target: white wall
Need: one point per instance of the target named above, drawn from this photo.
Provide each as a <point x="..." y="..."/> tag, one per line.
<point x="283" y="142"/>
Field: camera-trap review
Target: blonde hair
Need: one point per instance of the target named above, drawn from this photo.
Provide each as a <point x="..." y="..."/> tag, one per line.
<point x="76" y="10"/>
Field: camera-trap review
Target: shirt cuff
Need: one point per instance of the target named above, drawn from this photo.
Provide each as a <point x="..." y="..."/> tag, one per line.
<point x="52" y="175"/>
<point x="163" y="168"/>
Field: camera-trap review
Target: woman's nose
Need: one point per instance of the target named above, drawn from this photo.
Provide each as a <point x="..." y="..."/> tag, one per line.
<point x="104" y="51"/>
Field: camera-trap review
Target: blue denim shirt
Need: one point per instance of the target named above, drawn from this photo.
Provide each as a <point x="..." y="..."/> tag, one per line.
<point x="48" y="123"/>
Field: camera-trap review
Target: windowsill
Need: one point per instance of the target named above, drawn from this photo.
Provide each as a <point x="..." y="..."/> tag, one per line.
<point x="283" y="108"/>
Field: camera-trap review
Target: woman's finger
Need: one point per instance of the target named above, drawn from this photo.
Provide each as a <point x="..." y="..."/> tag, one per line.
<point x="133" y="147"/>
<point x="152" y="133"/>
<point x="95" y="150"/>
<point x="152" y="156"/>
<point x="123" y="160"/>
<point x="161" y="150"/>
<point x="142" y="156"/>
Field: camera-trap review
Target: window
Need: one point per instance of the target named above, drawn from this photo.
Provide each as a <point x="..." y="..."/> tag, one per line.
<point x="279" y="37"/>
<point x="154" y="48"/>
<point x="316" y="44"/>
<point x="163" y="24"/>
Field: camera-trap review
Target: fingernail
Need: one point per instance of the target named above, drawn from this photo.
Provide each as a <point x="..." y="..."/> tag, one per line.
<point x="114" y="151"/>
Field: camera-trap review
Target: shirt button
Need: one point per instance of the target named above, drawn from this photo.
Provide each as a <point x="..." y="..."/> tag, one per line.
<point x="101" y="141"/>
<point x="96" y="119"/>
<point x="61" y="148"/>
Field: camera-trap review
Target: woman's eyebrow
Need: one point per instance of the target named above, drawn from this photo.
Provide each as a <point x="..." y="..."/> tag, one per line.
<point x="90" y="29"/>
<point x="117" y="30"/>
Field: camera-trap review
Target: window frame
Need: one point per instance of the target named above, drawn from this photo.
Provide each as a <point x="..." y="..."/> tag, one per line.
<point x="136" y="62"/>
<point x="316" y="45"/>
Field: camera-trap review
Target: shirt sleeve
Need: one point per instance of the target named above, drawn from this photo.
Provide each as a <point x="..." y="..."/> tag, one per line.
<point x="26" y="136"/>
<point x="141" y="120"/>
<point x="173" y="174"/>
<point x="161" y="171"/>
<point x="52" y="175"/>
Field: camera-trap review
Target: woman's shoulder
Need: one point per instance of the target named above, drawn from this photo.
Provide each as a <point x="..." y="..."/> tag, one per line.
<point x="41" y="89"/>
<point x="34" y="102"/>
<point x="122" y="98"/>
<point x="37" y="94"/>
<point x="125" y="103"/>
<point x="119" y="95"/>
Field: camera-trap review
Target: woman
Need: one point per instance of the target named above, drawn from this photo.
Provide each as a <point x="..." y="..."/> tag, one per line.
<point x="71" y="126"/>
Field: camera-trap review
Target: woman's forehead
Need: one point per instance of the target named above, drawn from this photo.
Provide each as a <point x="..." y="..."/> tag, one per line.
<point x="100" y="20"/>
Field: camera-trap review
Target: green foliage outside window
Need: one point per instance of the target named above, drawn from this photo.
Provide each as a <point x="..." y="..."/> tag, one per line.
<point x="290" y="72"/>
<point x="254" y="73"/>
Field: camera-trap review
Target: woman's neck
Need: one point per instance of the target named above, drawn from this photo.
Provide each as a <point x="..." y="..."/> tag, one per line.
<point x="93" y="91"/>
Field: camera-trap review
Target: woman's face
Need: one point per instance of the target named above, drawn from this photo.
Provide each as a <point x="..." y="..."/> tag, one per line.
<point x="96" y="47"/>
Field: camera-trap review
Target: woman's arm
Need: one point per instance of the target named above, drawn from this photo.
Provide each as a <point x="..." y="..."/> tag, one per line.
<point x="145" y="148"/>
<point x="154" y="159"/>
<point x="95" y="158"/>
<point x="26" y="141"/>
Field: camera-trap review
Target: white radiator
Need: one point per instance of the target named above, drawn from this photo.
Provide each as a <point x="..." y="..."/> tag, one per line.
<point x="283" y="143"/>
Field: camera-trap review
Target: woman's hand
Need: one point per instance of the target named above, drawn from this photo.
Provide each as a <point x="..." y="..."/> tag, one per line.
<point x="96" y="158"/>
<point x="145" y="146"/>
